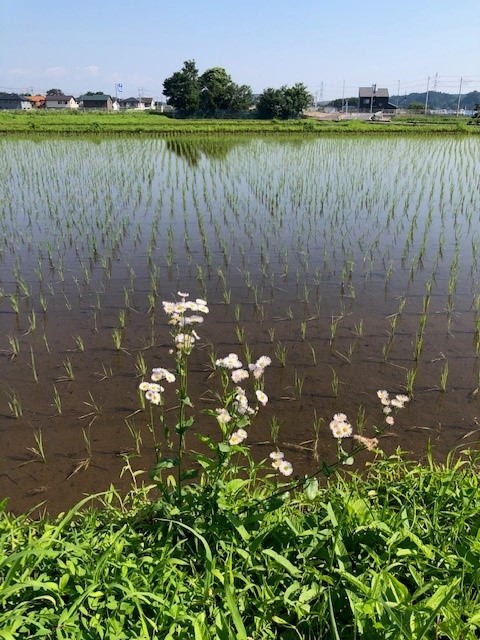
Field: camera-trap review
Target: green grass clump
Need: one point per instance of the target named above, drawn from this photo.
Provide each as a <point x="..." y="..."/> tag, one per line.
<point x="393" y="554"/>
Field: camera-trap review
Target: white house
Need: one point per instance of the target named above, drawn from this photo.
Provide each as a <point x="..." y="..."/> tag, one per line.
<point x="60" y="102"/>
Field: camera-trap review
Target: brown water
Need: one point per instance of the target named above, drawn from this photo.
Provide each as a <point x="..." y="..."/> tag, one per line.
<point x="322" y="254"/>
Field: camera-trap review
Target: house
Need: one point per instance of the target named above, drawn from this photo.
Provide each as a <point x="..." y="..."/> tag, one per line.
<point x="96" y="101"/>
<point x="148" y="103"/>
<point x="60" y="102"/>
<point x="140" y="104"/>
<point x="371" y="99"/>
<point x="14" y="101"/>
<point x="38" y="102"/>
<point x="129" y="103"/>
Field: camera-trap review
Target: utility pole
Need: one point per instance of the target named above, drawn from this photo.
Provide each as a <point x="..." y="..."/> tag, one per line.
<point x="343" y="95"/>
<point x="459" y="96"/>
<point x="374" y="88"/>
<point x="398" y="94"/>
<point x="426" y="96"/>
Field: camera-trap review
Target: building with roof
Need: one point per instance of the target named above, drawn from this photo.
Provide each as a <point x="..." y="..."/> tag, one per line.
<point x="96" y="101"/>
<point x="14" y="101"/>
<point x="60" y="102"/>
<point x="371" y="99"/>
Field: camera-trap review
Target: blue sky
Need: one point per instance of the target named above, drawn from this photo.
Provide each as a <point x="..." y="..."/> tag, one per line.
<point x="332" y="47"/>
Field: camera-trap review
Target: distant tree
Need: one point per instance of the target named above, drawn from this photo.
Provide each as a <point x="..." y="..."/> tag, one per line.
<point x="284" y="103"/>
<point x="183" y="89"/>
<point x="219" y="93"/>
<point x="295" y="100"/>
<point x="94" y="93"/>
<point x="416" y="106"/>
<point x="54" y="92"/>
<point x="269" y="104"/>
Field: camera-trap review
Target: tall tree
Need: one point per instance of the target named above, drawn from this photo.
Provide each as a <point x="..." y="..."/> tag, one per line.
<point x="269" y="105"/>
<point x="286" y="102"/>
<point x="219" y="93"/>
<point x="183" y="89"/>
<point x="54" y="92"/>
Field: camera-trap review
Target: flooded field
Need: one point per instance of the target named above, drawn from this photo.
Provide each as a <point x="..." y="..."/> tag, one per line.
<point x="352" y="264"/>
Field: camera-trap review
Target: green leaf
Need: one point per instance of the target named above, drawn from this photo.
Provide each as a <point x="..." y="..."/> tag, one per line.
<point x="286" y="564"/>
<point x="163" y="463"/>
<point x="311" y="488"/>
<point x="188" y="474"/>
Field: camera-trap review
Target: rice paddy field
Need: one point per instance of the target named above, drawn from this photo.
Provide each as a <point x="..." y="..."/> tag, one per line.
<point x="352" y="263"/>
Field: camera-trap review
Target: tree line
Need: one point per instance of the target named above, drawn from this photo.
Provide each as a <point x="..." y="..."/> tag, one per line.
<point x="214" y="94"/>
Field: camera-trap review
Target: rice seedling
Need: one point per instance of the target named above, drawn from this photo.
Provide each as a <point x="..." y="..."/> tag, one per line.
<point x="240" y="333"/>
<point x="136" y="434"/>
<point x="80" y="343"/>
<point x="57" y="400"/>
<point x="303" y="329"/>
<point x="38" y="450"/>
<point x="15" y="404"/>
<point x="274" y="429"/>
<point x="298" y="382"/>
<point x="14" y="345"/>
<point x="33" y="364"/>
<point x="117" y="335"/>
<point x="281" y="353"/>
<point x="14" y="302"/>
<point x="410" y="377"/>
<point x="444" y="377"/>
<point x="334" y="383"/>
<point x="67" y="365"/>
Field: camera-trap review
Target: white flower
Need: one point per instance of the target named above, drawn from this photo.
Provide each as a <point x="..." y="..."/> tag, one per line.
<point x="277" y="455"/>
<point x="238" y="375"/>
<point x="184" y="341"/>
<point x="144" y="386"/>
<point x="223" y="416"/>
<point x="256" y="370"/>
<point x="182" y="295"/>
<point x="261" y="397"/>
<point x="263" y="362"/>
<point x="162" y="374"/>
<point x="339" y="426"/>
<point x="389" y="420"/>
<point x="229" y="362"/>
<point x="401" y="398"/>
<point x="396" y="403"/>
<point x="285" y="468"/>
<point x="237" y="437"/>
<point x="169" y="307"/>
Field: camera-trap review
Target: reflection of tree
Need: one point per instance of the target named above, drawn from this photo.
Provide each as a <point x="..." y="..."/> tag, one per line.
<point x="191" y="149"/>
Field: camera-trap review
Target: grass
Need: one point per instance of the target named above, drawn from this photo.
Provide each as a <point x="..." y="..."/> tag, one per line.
<point x="125" y="123"/>
<point x="392" y="553"/>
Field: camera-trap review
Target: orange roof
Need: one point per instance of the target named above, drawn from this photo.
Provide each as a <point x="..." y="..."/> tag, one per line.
<point x="37" y="98"/>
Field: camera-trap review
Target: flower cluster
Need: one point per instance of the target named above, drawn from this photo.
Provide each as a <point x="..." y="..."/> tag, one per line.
<point x="340" y="427"/>
<point x="153" y="390"/>
<point x="186" y="338"/>
<point x="398" y="402"/>
<point x="279" y="463"/>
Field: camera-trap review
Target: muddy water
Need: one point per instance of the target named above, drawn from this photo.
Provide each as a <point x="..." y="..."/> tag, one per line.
<point x="334" y="257"/>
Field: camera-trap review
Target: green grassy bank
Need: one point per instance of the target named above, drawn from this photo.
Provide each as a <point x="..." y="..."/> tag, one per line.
<point x="148" y="123"/>
<point x="393" y="554"/>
